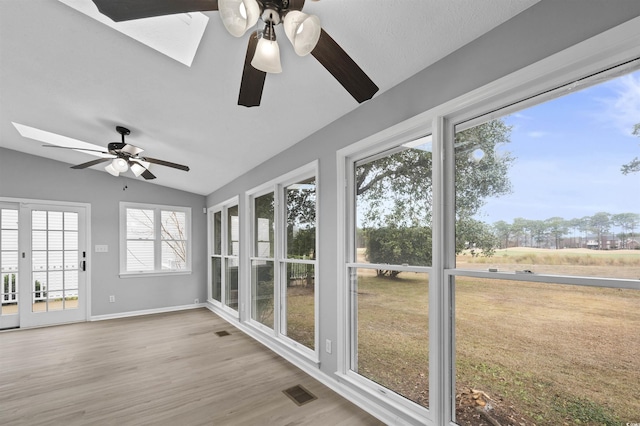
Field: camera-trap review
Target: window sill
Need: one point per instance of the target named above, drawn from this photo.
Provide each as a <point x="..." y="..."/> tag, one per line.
<point x="153" y="274"/>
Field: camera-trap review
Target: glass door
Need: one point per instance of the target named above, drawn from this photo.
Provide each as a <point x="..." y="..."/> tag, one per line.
<point x="53" y="261"/>
<point x="9" y="274"/>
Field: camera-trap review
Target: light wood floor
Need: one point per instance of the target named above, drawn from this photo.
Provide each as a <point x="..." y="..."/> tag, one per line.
<point x="165" y="369"/>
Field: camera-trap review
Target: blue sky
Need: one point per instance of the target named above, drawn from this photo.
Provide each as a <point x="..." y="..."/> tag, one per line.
<point x="569" y="152"/>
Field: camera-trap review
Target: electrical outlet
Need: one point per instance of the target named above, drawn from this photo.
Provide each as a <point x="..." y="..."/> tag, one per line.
<point x="328" y="346"/>
<point x="196" y="301"/>
<point x="112" y="299"/>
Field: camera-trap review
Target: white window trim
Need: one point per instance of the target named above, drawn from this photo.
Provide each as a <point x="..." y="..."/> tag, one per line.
<point x="612" y="47"/>
<point x="157" y="208"/>
<point x="277" y="186"/>
<point x="223" y="208"/>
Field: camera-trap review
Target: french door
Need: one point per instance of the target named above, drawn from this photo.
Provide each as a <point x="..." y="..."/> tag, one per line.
<point x="43" y="264"/>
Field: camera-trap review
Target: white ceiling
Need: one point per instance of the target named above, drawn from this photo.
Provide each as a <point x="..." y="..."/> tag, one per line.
<point x="64" y="72"/>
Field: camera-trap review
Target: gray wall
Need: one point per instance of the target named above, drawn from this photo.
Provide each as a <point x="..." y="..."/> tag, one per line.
<point x="540" y="31"/>
<point x="27" y="176"/>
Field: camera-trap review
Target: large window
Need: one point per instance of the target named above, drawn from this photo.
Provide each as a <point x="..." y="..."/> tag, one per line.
<point x="8" y="261"/>
<point x="548" y="259"/>
<point x="154" y="239"/>
<point x="390" y="259"/>
<point x="283" y="259"/>
<point x="224" y="247"/>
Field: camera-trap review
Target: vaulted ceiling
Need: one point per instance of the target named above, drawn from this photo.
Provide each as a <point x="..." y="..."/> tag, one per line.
<point x="64" y="72"/>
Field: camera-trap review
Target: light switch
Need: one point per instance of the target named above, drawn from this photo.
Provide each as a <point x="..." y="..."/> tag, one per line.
<point x="102" y="248"/>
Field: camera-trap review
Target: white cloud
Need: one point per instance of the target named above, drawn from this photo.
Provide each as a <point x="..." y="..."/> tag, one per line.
<point x="623" y="109"/>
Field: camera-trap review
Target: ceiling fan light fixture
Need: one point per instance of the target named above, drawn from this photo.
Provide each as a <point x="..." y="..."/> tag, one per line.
<point x="120" y="165"/>
<point x="112" y="171"/>
<point x="302" y="30"/>
<point x="267" y="55"/>
<point x="138" y="167"/>
<point x="238" y="15"/>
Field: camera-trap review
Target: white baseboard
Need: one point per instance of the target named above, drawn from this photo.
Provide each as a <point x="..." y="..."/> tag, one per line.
<point x="146" y="312"/>
<point x="331" y="381"/>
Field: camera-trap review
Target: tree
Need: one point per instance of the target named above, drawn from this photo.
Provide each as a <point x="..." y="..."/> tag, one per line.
<point x="503" y="232"/>
<point x="395" y="190"/>
<point x="626" y="222"/>
<point x="600" y="223"/>
<point x="632" y="166"/>
<point x="557" y="228"/>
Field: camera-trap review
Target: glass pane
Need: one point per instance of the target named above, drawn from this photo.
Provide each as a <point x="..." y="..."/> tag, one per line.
<point x="231" y="283"/>
<point x="39" y="305"/>
<point x="140" y="224"/>
<point x="391" y="331"/>
<point x="70" y="221"/>
<point x="39" y="260"/>
<point x="38" y="219"/>
<point x="9" y="294"/>
<point x="299" y="321"/>
<point x="55" y="302"/>
<point x="264" y="238"/>
<point x="55" y="260"/>
<point x="71" y="280"/>
<point x="140" y="256"/>
<point x="173" y="225"/>
<point x="71" y="299"/>
<point x="393" y="206"/>
<point x="70" y="260"/>
<point x="216" y="278"/>
<point x="217" y="233"/>
<point x="9" y="261"/>
<point x="547" y="189"/>
<point x="71" y="240"/>
<point x="9" y="219"/>
<point x="546" y="353"/>
<point x="174" y="255"/>
<point x="301" y="220"/>
<point x="9" y="239"/>
<point x="39" y="240"/>
<point x="233" y="231"/>
<point x="262" y="292"/>
<point x="55" y="241"/>
<point x="55" y="221"/>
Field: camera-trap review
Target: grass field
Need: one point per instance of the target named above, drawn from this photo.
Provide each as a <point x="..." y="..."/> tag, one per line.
<point x="538" y="354"/>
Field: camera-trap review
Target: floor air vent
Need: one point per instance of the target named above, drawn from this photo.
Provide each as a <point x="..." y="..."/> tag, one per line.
<point x="223" y="333"/>
<point x="299" y="395"/>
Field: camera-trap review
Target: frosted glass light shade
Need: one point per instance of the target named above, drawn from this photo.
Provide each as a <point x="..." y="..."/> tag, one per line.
<point x="238" y="15"/>
<point x="139" y="167"/>
<point x="111" y="170"/>
<point x="120" y="165"/>
<point x="267" y="56"/>
<point x="302" y="30"/>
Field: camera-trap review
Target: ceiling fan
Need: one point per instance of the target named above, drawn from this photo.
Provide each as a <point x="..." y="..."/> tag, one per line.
<point x="123" y="156"/>
<point x="263" y="54"/>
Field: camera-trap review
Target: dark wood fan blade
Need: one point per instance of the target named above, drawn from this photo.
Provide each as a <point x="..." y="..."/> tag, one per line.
<point x="77" y="149"/>
<point x="252" y="79"/>
<point x="165" y="163"/>
<point x="296" y="4"/>
<point x="126" y="10"/>
<point x="148" y="175"/>
<point x="343" y="68"/>
<point x="91" y="163"/>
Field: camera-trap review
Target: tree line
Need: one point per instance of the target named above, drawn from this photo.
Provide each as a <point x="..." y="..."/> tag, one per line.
<point x="601" y="231"/>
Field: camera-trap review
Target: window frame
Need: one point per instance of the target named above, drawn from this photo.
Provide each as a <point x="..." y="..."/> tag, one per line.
<point x="278" y="187"/>
<point x="157" y="240"/>
<point x="613" y="47"/>
<point x="224" y="255"/>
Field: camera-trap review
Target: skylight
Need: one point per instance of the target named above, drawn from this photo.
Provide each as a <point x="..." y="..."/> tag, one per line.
<point x="177" y="36"/>
<point x="59" y="140"/>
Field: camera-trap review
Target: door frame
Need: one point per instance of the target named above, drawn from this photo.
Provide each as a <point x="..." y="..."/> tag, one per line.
<point x="23" y="203"/>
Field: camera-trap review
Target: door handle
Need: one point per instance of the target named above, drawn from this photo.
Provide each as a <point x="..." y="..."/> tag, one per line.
<point x="84" y="265"/>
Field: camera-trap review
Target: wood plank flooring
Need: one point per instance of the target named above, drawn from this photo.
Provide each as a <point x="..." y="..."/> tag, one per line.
<point x="164" y="369"/>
